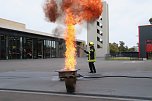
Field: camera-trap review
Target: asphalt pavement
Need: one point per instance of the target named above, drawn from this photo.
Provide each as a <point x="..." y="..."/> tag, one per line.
<point x="114" y="80"/>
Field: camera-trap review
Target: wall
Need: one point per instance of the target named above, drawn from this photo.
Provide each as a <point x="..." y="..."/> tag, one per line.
<point x="102" y="25"/>
<point x="145" y="33"/>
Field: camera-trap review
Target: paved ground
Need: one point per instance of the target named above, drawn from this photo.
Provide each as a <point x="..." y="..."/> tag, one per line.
<point x="37" y="96"/>
<point x="116" y="79"/>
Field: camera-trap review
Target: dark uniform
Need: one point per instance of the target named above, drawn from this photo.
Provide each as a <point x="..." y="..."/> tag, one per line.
<point x="91" y="58"/>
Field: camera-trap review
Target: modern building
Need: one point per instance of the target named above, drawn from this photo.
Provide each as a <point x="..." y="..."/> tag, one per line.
<point x="17" y="42"/>
<point x="98" y="32"/>
<point x="145" y="41"/>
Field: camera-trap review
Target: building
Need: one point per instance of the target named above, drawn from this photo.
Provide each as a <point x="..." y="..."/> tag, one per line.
<point x="98" y="32"/>
<point x="145" y="41"/>
<point x="17" y="42"/>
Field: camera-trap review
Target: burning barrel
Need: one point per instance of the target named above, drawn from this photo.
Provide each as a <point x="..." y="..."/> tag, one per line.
<point x="81" y="11"/>
<point x="70" y="78"/>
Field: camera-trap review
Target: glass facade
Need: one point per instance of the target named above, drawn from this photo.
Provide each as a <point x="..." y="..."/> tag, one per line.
<point x="22" y="45"/>
<point x="14" y="51"/>
<point x="27" y="48"/>
<point x="2" y="47"/>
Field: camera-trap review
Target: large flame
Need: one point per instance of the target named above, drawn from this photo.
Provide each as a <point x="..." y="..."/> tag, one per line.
<point x="74" y="11"/>
<point x="70" y="54"/>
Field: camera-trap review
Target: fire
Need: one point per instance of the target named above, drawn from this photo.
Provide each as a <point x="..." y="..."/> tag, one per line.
<point x="83" y="10"/>
<point x="70" y="54"/>
<point x="74" y="11"/>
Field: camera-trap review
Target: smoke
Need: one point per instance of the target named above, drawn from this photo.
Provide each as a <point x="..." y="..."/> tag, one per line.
<point x="51" y="10"/>
<point x="79" y="28"/>
<point x="58" y="31"/>
<point x="82" y="11"/>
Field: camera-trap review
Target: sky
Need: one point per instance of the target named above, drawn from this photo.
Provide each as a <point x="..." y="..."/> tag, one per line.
<point x="124" y="18"/>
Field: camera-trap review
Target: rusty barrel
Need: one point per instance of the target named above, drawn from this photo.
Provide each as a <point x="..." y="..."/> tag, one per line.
<point x="70" y="78"/>
<point x="70" y="83"/>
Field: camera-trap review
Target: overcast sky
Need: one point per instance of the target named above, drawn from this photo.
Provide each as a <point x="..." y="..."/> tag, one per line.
<point x="124" y="17"/>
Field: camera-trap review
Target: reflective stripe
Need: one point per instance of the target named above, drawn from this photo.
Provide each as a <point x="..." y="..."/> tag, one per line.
<point x="89" y="58"/>
<point x="92" y="60"/>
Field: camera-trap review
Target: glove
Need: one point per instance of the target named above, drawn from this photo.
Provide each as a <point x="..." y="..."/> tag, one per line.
<point x="86" y="51"/>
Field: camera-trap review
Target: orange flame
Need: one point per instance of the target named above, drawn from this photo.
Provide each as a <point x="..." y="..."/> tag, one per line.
<point x="70" y="54"/>
<point x="88" y="10"/>
<point x="76" y="11"/>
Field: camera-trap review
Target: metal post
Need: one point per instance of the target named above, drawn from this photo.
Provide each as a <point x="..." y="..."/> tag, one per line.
<point x="7" y="47"/>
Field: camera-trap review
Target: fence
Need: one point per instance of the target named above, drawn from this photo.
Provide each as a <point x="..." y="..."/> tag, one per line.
<point x="124" y="55"/>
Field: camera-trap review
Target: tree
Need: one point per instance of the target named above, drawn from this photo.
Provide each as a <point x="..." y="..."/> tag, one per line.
<point x="113" y="47"/>
<point x="150" y="20"/>
<point x="133" y="49"/>
<point x="122" y="47"/>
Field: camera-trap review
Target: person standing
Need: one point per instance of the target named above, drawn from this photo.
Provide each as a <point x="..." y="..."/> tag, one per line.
<point x="91" y="57"/>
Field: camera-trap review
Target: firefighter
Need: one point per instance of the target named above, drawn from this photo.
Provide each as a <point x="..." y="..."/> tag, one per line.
<point x="91" y="57"/>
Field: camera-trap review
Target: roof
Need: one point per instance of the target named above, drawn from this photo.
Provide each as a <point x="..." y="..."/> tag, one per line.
<point x="7" y="24"/>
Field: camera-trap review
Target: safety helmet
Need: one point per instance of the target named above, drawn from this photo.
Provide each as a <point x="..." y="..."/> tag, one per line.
<point x="91" y="43"/>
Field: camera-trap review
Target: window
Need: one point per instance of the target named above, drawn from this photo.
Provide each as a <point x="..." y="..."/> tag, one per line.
<point x="27" y="48"/>
<point x="2" y="47"/>
<point x="99" y="32"/>
<point x="47" y="49"/>
<point x="53" y="49"/>
<point x="14" y="47"/>
<point x="40" y="48"/>
<point x="98" y="46"/>
<point x="99" y="40"/>
<point x="99" y="24"/>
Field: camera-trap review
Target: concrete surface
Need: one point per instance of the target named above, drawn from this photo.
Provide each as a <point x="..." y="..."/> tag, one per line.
<point x="130" y="80"/>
